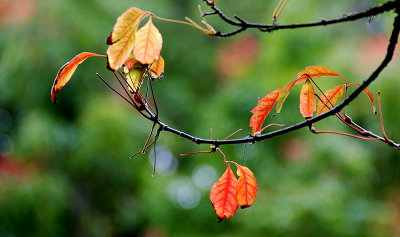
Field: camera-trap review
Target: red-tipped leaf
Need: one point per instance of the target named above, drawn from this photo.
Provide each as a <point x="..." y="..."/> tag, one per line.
<point x="261" y="111"/>
<point x="316" y="71"/>
<point x="66" y="72"/>
<point x="223" y="195"/>
<point x="307" y="100"/>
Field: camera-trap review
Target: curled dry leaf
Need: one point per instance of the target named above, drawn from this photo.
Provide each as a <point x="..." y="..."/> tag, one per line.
<point x="261" y="111"/>
<point x="246" y="189"/>
<point x="329" y="99"/>
<point x="307" y="100"/>
<point x="123" y="40"/>
<point x="148" y="43"/>
<point x="66" y="72"/>
<point x="223" y="195"/>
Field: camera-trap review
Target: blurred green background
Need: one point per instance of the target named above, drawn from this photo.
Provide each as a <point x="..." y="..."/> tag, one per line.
<point x="65" y="170"/>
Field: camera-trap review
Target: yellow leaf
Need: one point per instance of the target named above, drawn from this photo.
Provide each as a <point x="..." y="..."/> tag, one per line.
<point x="125" y="24"/>
<point x="148" y="43"/>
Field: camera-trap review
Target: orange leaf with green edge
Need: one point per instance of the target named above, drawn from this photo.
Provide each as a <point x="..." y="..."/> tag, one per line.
<point x="125" y="24"/>
<point x="223" y="195"/>
<point x="316" y="71"/>
<point x="157" y="67"/>
<point x="370" y="96"/>
<point x="66" y="72"/>
<point x="148" y="43"/>
<point x="262" y="109"/>
<point x="329" y="99"/>
<point x="307" y="100"/>
<point x="246" y="189"/>
<point x="283" y="93"/>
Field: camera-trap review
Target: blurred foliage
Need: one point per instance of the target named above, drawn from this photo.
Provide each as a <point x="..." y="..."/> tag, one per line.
<point x="65" y="170"/>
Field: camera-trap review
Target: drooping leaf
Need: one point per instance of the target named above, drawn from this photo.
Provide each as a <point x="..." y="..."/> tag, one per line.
<point x="262" y="109"/>
<point x="125" y="24"/>
<point x="307" y="100"/>
<point x="148" y="43"/>
<point x="223" y="195"/>
<point x="370" y="96"/>
<point x="66" y="72"/>
<point x="329" y="99"/>
<point x="283" y="93"/>
<point x="246" y="189"/>
<point x="157" y="67"/>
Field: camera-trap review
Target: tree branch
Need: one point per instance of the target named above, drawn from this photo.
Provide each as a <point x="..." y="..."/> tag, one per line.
<point x="252" y="139"/>
<point x="244" y="25"/>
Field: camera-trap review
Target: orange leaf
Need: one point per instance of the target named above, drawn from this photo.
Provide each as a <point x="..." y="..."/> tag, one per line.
<point x="246" y="189"/>
<point x="369" y="94"/>
<point x="261" y="111"/>
<point x="119" y="52"/>
<point x="307" y="100"/>
<point x="223" y="195"/>
<point x="315" y="71"/>
<point x="148" y="43"/>
<point x="157" y="67"/>
<point x="125" y="24"/>
<point x="66" y="72"/>
<point x="329" y="99"/>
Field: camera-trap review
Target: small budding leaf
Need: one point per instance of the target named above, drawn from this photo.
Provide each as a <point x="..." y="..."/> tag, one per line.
<point x="246" y="189"/>
<point x="307" y="100"/>
<point x="223" y="195"/>
<point x="66" y="72"/>
<point x="261" y="111"/>
<point x="329" y="99"/>
<point x="148" y="43"/>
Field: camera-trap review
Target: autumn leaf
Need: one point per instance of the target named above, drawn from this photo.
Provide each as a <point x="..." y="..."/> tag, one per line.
<point x="223" y="195"/>
<point x="329" y="99"/>
<point x="246" y="189"/>
<point x="125" y="24"/>
<point x="134" y="78"/>
<point x="307" y="100"/>
<point x="119" y="51"/>
<point x="148" y="43"/>
<point x="157" y="67"/>
<point x="261" y="111"/>
<point x="316" y="71"/>
<point x="66" y="72"/>
<point x="283" y="93"/>
<point x="370" y="96"/>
